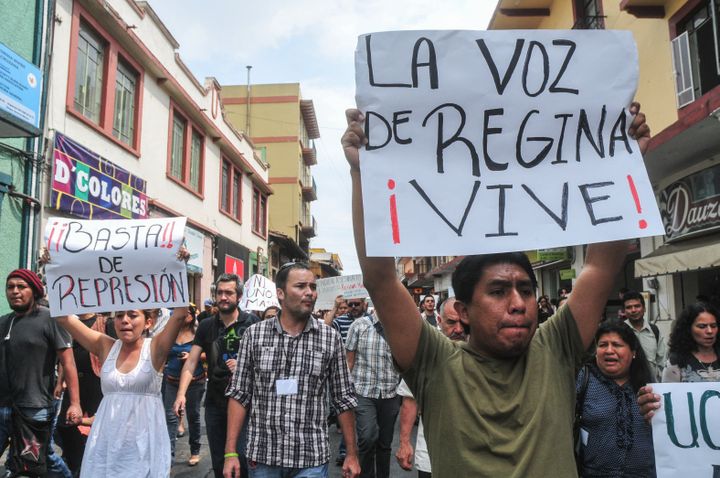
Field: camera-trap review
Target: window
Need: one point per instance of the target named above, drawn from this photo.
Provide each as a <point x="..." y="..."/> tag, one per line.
<point x="231" y="191"/>
<point x="259" y="213"/>
<point x="588" y="15"/>
<point x="185" y="155"/>
<point x="695" y="53"/>
<point x="104" y="83"/>
<point x="89" y="68"/>
<point x="125" y="92"/>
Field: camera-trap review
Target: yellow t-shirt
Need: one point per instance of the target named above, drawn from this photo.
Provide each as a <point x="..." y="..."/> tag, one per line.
<point x="499" y="418"/>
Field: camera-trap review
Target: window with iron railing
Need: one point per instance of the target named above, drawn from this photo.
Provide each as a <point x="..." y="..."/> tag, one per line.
<point x="588" y="15"/>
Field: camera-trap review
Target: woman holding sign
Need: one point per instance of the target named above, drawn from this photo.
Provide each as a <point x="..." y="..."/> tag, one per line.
<point x="694" y="353"/>
<point x="129" y="436"/>
<point x="616" y="441"/>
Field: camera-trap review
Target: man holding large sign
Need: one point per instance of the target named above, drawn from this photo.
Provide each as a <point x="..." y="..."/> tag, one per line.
<point x="489" y="405"/>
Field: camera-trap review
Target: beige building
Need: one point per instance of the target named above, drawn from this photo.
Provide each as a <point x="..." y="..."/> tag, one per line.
<point x="282" y="126"/>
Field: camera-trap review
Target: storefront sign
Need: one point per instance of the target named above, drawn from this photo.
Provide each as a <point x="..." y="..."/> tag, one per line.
<point x="567" y="274"/>
<point x="555" y="254"/>
<point x="89" y="186"/>
<point x="686" y="430"/>
<point x="109" y="265"/>
<point x="499" y="141"/>
<point x="236" y="266"/>
<point x="692" y="204"/>
<point x="194" y="243"/>
<point x="20" y="87"/>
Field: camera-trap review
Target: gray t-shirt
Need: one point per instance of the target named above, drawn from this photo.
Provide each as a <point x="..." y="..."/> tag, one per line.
<point x="30" y="357"/>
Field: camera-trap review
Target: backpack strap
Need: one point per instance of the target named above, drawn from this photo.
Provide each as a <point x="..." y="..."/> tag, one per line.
<point x="656" y="332"/>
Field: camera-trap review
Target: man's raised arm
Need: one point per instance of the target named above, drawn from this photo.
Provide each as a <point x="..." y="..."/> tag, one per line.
<point x="603" y="260"/>
<point x="394" y="305"/>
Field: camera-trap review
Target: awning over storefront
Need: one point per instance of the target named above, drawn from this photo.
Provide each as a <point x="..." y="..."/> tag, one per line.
<point x="691" y="255"/>
<point x="563" y="263"/>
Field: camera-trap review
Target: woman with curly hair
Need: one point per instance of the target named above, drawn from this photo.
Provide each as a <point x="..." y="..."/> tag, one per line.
<point x="694" y="352"/>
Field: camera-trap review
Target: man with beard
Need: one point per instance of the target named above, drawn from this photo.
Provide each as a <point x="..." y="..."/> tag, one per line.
<point x="33" y="344"/>
<point x="285" y="368"/>
<point x="450" y="325"/>
<point x="218" y="337"/>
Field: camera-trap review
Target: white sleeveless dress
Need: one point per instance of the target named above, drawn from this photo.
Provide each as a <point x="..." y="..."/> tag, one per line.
<point x="128" y="438"/>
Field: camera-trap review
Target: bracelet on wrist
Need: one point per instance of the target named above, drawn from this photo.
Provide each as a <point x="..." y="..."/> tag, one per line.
<point x="231" y="455"/>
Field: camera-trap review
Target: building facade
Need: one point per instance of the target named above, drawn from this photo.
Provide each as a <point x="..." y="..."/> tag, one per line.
<point x="24" y="32"/>
<point x="283" y="128"/>
<point x="134" y="134"/>
<point x="679" y="89"/>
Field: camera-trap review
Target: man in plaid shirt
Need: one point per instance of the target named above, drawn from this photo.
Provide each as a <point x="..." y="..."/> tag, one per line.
<point x="376" y="381"/>
<point x="284" y="367"/>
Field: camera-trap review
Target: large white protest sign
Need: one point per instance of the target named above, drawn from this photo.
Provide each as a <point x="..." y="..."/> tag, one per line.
<point x="259" y="293"/>
<point x="350" y="287"/>
<point x="109" y="265"/>
<point x="686" y="430"/>
<point x="501" y="140"/>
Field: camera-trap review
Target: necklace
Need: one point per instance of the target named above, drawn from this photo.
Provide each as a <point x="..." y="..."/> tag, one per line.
<point x="707" y="366"/>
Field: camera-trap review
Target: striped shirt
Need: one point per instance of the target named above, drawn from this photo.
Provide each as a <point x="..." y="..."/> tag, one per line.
<point x="342" y="324"/>
<point x="291" y="430"/>
<point x="373" y="373"/>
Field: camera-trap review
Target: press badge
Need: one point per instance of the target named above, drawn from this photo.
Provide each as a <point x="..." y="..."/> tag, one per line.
<point x="286" y="386"/>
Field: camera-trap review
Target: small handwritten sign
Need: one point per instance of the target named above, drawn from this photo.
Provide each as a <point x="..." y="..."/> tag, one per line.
<point x="350" y="287"/>
<point x="491" y="141"/>
<point x="686" y="430"/>
<point x="109" y="265"/>
<point x="259" y="293"/>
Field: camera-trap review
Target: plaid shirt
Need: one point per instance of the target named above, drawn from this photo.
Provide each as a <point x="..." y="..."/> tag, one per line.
<point x="291" y="430"/>
<point x="374" y="373"/>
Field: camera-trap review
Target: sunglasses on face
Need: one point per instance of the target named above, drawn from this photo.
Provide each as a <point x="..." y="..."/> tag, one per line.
<point x="354" y="304"/>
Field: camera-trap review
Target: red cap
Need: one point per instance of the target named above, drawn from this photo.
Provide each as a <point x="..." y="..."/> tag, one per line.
<point x="31" y="278"/>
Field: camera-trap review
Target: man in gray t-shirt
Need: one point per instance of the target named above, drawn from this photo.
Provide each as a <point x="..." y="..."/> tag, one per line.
<point x="32" y="344"/>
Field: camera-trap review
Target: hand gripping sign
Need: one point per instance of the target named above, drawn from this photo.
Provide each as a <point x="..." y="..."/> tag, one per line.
<point x="109" y="265"/>
<point x="498" y="141"/>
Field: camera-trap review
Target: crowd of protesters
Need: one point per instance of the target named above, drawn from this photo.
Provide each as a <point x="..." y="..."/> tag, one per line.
<point x="488" y="374"/>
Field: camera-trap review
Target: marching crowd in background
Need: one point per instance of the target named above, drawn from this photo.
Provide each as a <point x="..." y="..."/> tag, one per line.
<point x="491" y="375"/>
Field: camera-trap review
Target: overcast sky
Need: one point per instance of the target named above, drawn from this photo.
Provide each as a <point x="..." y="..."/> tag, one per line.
<point x="311" y="42"/>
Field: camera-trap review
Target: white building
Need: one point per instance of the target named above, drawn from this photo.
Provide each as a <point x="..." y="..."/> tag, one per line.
<point x="119" y="90"/>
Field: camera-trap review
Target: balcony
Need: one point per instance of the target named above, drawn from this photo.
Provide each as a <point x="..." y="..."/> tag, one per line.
<point x="309" y="190"/>
<point x="309" y="225"/>
<point x="309" y="154"/>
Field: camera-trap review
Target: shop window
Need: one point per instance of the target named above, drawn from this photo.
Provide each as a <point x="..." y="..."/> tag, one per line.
<point x="259" y="213"/>
<point x="186" y="157"/>
<point x="588" y="15"/>
<point x="231" y="191"/>
<point x="695" y="53"/>
<point x="104" y="83"/>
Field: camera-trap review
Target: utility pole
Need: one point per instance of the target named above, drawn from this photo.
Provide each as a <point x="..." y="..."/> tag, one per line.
<point x="247" y="104"/>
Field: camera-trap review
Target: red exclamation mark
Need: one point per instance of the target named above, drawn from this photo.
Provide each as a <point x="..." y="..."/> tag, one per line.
<point x="52" y="233"/>
<point x="642" y="223"/>
<point x="164" y="236"/>
<point x="393" y="214"/>
<point x="169" y="245"/>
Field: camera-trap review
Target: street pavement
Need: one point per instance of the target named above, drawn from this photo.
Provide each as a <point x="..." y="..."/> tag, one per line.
<point x="180" y="468"/>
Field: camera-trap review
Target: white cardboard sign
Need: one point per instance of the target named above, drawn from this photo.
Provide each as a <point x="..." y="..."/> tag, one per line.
<point x="259" y="293"/>
<point x="350" y="287"/>
<point x="686" y="430"/>
<point x="110" y="265"/>
<point x="490" y="141"/>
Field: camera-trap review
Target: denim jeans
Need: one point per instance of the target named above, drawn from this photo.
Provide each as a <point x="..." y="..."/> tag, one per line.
<point x="193" y="397"/>
<point x="56" y="467"/>
<point x="259" y="470"/>
<point x="5" y="427"/>
<point x="375" y="420"/>
<point x="216" y="428"/>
